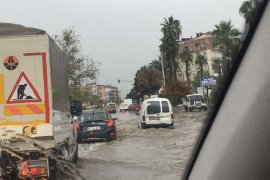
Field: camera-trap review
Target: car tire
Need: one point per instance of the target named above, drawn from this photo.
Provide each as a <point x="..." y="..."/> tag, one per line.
<point x="75" y="157"/>
<point x="115" y="138"/>
<point x="190" y="109"/>
<point x="171" y="127"/>
<point x="142" y="126"/>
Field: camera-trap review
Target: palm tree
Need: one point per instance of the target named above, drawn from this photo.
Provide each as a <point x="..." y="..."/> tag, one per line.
<point x="156" y="63"/>
<point x="227" y="39"/>
<point x="217" y="66"/>
<point x="201" y="60"/>
<point x="186" y="57"/>
<point x="169" y="47"/>
<point x="248" y="9"/>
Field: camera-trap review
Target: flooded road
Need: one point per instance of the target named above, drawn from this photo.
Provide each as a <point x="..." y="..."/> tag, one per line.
<point x="150" y="154"/>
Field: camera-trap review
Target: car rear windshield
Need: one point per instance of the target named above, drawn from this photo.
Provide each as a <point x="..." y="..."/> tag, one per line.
<point x="165" y="106"/>
<point x="112" y="105"/>
<point x="153" y="107"/>
<point x="195" y="97"/>
<point x="93" y="117"/>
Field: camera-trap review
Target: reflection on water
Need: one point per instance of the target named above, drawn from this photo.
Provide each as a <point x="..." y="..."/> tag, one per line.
<point x="151" y="153"/>
<point x="161" y="153"/>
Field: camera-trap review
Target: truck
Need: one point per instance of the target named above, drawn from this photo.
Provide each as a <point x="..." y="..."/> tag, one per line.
<point x="194" y="101"/>
<point x="36" y="126"/>
<point x="124" y="106"/>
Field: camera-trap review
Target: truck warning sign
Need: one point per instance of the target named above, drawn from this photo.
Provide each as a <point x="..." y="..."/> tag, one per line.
<point x="23" y="91"/>
<point x="11" y="63"/>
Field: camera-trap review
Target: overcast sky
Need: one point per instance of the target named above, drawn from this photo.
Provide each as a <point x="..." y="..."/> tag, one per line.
<point x="122" y="35"/>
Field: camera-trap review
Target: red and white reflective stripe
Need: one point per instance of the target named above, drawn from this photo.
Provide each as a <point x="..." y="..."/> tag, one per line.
<point x="24" y="109"/>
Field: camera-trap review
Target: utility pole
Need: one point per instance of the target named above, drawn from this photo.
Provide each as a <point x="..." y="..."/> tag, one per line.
<point x="162" y="67"/>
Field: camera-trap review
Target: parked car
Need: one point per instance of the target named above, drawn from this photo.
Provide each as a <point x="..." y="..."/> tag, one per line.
<point x="156" y="112"/>
<point x="96" y="125"/>
<point x="134" y="107"/>
<point x="111" y="107"/>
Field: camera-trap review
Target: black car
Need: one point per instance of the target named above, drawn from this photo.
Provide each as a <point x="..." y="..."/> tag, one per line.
<point x="96" y="125"/>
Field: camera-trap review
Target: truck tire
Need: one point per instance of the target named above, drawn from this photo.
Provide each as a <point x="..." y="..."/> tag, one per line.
<point x="75" y="157"/>
<point x="54" y="170"/>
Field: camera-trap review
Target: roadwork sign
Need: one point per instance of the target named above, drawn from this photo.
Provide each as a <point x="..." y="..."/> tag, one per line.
<point x="23" y="91"/>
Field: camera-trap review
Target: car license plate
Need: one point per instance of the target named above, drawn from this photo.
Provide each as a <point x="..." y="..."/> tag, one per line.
<point x="154" y="118"/>
<point x="93" y="128"/>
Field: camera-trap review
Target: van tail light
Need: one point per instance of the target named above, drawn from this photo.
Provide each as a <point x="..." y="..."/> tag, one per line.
<point x="110" y="123"/>
<point x="172" y="116"/>
<point x="143" y="118"/>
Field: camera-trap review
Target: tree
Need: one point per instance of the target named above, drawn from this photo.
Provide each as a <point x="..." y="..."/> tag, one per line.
<point x="80" y="68"/>
<point x="157" y="64"/>
<point x="227" y="39"/>
<point x="197" y="79"/>
<point x="217" y="66"/>
<point x="148" y="80"/>
<point x="169" y="47"/>
<point x="201" y="60"/>
<point x="175" y="90"/>
<point x="133" y="94"/>
<point x="186" y="57"/>
<point x="248" y="10"/>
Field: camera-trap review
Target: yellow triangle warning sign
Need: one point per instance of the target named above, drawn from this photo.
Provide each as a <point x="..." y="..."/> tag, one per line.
<point x="23" y="91"/>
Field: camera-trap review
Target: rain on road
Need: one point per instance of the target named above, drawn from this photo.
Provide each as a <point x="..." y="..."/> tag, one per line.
<point x="150" y="154"/>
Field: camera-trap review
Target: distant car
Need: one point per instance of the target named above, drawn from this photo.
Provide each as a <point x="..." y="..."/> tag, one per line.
<point x="134" y="107"/>
<point x="111" y="107"/>
<point x="156" y="112"/>
<point x="96" y="125"/>
<point x="124" y="107"/>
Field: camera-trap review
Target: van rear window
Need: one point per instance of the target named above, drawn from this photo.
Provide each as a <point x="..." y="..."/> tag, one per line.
<point x="165" y="106"/>
<point x="153" y="107"/>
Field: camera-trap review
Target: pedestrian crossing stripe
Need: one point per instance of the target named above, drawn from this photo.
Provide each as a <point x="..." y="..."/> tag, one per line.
<point x="10" y="110"/>
<point x="23" y="91"/>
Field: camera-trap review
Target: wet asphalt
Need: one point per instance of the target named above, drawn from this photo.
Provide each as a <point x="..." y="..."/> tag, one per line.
<point x="152" y="154"/>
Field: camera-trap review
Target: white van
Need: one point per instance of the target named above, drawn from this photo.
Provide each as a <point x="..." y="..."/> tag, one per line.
<point x="155" y="112"/>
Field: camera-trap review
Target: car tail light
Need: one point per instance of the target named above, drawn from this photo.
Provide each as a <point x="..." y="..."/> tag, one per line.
<point x="172" y="116"/>
<point x="33" y="171"/>
<point x="112" y="133"/>
<point x="110" y="123"/>
<point x="143" y="118"/>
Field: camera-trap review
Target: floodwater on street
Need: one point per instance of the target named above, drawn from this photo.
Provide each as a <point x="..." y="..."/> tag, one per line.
<point x="151" y="154"/>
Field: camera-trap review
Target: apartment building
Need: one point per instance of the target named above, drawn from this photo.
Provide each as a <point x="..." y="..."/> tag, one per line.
<point x="201" y="44"/>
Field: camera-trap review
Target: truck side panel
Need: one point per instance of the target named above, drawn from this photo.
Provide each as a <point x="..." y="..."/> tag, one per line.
<point x="60" y="99"/>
